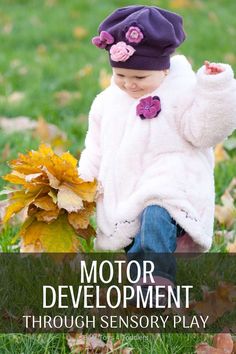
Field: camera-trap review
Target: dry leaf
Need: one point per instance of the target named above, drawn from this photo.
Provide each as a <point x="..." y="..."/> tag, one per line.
<point x="80" y="32"/>
<point x="117" y="347"/>
<point x="86" y="233"/>
<point x="81" y="220"/>
<point x="69" y="200"/>
<point x="7" y="315"/>
<point x="225" y="214"/>
<point x="50" y="133"/>
<point x="220" y="153"/>
<point x="57" y="236"/>
<point x="46" y="203"/>
<point x="127" y="351"/>
<point x="7" y="28"/>
<point x="17" y="202"/>
<point x="93" y="343"/>
<point x="5" y="152"/>
<point x="79" y="343"/>
<point x="85" y="71"/>
<point x="16" y="64"/>
<point x="222" y="344"/>
<point x="47" y="216"/>
<point x="204" y="348"/>
<point x="216" y="303"/>
<point x="229" y="236"/>
<point x="11" y="125"/>
<point x="223" y="341"/>
<point x="3" y="205"/>
<point x="51" y="189"/>
<point x="231" y="247"/>
<point x="104" y="79"/>
<point x="64" y="98"/>
<point x="234" y="348"/>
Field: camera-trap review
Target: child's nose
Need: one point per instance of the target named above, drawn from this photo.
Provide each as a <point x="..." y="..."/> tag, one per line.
<point x="130" y="84"/>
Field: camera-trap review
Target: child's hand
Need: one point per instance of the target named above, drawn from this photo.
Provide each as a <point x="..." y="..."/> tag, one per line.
<point x="99" y="190"/>
<point x="212" y="68"/>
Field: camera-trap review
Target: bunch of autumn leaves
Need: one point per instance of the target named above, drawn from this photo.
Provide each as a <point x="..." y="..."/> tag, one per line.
<point x="59" y="204"/>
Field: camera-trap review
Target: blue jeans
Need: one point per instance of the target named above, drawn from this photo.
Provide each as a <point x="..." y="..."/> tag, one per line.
<point x="156" y="240"/>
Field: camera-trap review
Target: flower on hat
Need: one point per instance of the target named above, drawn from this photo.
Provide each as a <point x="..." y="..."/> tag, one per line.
<point x="103" y="40"/>
<point x="134" y="34"/>
<point x="149" y="107"/>
<point x="121" y="51"/>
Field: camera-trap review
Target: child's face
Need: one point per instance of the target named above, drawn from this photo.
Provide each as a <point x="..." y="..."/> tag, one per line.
<point x="137" y="83"/>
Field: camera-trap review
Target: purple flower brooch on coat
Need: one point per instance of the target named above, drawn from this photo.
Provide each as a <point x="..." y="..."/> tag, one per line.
<point x="149" y="107"/>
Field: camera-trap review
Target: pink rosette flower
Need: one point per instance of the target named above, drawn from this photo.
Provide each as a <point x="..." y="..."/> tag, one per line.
<point x="103" y="40"/>
<point x="121" y="51"/>
<point x="149" y="107"/>
<point x="134" y="34"/>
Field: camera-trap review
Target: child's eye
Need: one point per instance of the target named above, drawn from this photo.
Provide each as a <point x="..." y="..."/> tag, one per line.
<point x="140" y="77"/>
<point x="120" y="75"/>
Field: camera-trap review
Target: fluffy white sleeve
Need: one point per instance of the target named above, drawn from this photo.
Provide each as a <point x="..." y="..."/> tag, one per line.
<point x="210" y="115"/>
<point x="90" y="157"/>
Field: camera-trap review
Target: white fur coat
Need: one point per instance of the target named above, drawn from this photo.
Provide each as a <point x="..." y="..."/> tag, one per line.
<point x="167" y="160"/>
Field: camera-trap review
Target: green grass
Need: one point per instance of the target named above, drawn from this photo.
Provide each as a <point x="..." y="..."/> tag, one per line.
<point x="40" y="57"/>
<point x="27" y="344"/>
<point x="55" y="343"/>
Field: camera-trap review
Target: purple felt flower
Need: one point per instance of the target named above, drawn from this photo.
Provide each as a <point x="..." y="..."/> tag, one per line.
<point x="149" y="107"/>
<point x="134" y="34"/>
<point x="103" y="40"/>
<point x="121" y="51"/>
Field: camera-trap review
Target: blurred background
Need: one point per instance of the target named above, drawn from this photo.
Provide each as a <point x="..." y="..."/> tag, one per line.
<point x="49" y="75"/>
<point x="50" y="72"/>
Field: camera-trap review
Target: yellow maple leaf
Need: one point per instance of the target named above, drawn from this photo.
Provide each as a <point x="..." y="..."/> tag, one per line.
<point x="45" y="202"/>
<point x="47" y="216"/>
<point x="57" y="236"/>
<point x="51" y="190"/>
<point x="18" y="201"/>
<point x="81" y="220"/>
<point x="69" y="200"/>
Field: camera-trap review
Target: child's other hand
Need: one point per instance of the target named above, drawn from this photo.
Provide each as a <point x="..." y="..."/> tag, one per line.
<point x="212" y="68"/>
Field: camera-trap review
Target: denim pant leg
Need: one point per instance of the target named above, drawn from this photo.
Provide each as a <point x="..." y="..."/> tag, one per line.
<point x="156" y="241"/>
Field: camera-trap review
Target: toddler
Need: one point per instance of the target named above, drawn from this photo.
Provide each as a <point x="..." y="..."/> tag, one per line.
<point x="151" y="137"/>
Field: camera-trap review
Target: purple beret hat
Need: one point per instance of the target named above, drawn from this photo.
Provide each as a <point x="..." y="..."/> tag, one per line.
<point x="140" y="37"/>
